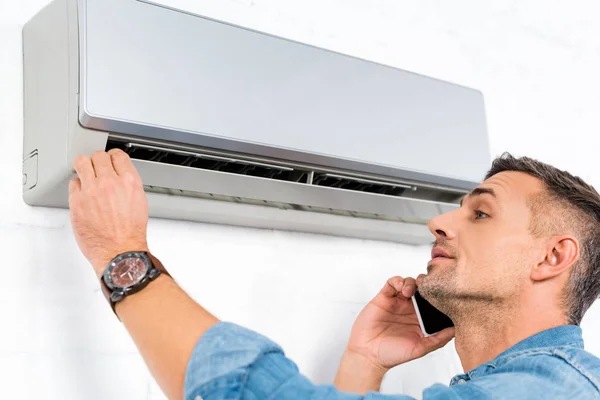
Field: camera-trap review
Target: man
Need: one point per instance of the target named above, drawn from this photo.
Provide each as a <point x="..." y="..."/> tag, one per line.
<point x="515" y="267"/>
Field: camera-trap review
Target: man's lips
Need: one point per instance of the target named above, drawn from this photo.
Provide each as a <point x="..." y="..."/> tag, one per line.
<point x="437" y="253"/>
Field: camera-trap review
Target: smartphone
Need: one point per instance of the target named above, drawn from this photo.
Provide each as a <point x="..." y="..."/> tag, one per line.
<point x="430" y="318"/>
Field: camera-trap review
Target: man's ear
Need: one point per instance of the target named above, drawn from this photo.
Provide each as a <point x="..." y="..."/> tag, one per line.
<point x="562" y="252"/>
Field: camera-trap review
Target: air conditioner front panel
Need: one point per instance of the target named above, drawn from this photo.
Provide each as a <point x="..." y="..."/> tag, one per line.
<point x="168" y="75"/>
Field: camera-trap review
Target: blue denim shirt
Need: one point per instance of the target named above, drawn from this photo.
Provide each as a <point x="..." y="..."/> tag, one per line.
<point x="230" y="362"/>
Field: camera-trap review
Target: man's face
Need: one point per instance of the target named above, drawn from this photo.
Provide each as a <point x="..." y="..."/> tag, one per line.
<point x="489" y="243"/>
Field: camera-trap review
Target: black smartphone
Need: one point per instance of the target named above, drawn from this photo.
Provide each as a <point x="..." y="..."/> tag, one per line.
<point x="430" y="318"/>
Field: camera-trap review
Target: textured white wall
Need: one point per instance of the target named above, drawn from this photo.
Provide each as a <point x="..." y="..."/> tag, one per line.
<point x="537" y="63"/>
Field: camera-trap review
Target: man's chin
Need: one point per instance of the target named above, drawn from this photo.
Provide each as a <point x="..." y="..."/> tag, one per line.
<point x="434" y="285"/>
<point x="424" y="283"/>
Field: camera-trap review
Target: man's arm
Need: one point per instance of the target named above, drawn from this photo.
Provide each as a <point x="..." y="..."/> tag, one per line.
<point x="165" y="324"/>
<point x="231" y="362"/>
<point x="358" y="374"/>
<point x="109" y="214"/>
<point x="247" y="365"/>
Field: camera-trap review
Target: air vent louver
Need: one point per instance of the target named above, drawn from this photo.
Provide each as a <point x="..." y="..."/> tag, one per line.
<point x="224" y="162"/>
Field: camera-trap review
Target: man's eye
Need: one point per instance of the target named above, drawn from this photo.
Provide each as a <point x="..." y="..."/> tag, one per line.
<point x="480" y="215"/>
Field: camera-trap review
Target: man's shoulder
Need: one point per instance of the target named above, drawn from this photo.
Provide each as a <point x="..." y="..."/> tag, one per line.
<point x="567" y="357"/>
<point x="581" y="360"/>
<point x="555" y="372"/>
<point x="564" y="368"/>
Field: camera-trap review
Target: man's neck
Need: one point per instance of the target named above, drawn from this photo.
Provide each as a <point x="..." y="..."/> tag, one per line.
<point x="481" y="338"/>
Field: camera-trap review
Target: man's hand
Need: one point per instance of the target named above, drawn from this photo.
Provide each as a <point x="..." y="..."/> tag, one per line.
<point x="385" y="334"/>
<point x="109" y="209"/>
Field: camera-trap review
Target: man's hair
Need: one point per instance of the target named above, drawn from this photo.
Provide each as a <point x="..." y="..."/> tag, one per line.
<point x="568" y="205"/>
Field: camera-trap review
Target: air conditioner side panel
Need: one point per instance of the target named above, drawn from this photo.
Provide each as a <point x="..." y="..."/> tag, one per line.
<point x="47" y="100"/>
<point x="52" y="134"/>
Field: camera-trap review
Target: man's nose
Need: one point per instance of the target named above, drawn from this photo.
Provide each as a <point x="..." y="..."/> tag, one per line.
<point x="442" y="226"/>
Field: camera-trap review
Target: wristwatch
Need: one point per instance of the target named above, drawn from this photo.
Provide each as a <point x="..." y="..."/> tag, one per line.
<point x="128" y="273"/>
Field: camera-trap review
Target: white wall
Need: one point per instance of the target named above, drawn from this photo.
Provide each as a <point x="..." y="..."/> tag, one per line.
<point x="537" y="63"/>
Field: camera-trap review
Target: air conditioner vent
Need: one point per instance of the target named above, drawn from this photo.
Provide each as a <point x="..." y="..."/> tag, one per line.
<point x="361" y="185"/>
<point x="270" y="169"/>
<point x="210" y="162"/>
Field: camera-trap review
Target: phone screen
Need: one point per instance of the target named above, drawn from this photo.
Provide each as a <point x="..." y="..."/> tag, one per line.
<point x="433" y="319"/>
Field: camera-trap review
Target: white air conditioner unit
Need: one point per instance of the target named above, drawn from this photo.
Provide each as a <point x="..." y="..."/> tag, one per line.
<point x="233" y="126"/>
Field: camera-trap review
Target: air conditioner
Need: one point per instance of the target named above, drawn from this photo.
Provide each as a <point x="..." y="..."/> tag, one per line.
<point x="234" y="126"/>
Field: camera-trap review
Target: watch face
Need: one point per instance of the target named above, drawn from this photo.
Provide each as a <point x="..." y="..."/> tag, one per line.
<point x="127" y="272"/>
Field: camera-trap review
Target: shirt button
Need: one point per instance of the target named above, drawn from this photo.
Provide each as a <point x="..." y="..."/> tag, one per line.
<point x="461" y="380"/>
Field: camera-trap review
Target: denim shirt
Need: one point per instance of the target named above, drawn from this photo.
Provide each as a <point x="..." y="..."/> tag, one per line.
<point x="230" y="362"/>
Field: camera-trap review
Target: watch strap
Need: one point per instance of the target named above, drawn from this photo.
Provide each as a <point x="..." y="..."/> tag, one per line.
<point x="107" y="293"/>
<point x="158" y="265"/>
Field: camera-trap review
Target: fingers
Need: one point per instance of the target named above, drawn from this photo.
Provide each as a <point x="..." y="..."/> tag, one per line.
<point x="115" y="161"/>
<point x="102" y="164"/>
<point x="392" y="286"/>
<point x="398" y="286"/>
<point x="439" y="339"/>
<point x="409" y="288"/>
<point x="75" y="186"/>
<point x="121" y="162"/>
<point x="85" y="169"/>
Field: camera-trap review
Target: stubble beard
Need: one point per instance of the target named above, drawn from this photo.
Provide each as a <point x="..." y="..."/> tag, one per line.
<point x="440" y="288"/>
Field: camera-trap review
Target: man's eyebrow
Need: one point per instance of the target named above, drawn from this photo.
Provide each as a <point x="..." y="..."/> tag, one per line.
<point x="478" y="192"/>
